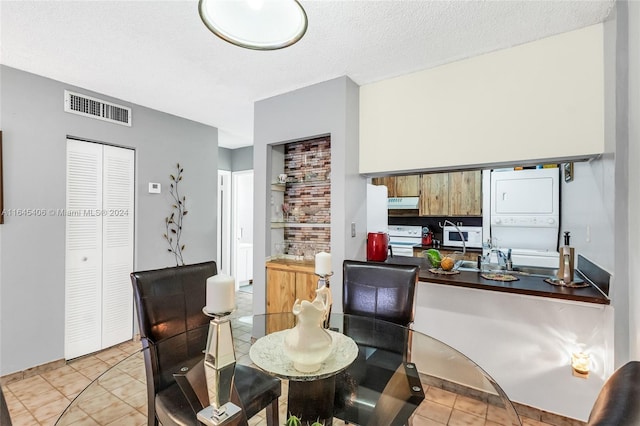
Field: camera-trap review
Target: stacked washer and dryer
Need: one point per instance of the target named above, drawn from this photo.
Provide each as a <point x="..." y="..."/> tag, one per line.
<point x="524" y="214"/>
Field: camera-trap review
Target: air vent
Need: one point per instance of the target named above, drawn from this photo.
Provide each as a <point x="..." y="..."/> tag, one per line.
<point x="87" y="106"/>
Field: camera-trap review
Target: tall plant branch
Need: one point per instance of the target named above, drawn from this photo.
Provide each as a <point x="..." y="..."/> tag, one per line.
<point x="173" y="222"/>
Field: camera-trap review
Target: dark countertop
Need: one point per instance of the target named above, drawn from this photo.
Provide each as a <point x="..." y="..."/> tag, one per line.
<point x="468" y="249"/>
<point x="529" y="285"/>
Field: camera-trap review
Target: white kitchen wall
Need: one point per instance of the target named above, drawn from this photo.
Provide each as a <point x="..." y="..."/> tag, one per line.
<point x="537" y="101"/>
<point x="588" y="213"/>
<point x="524" y="342"/>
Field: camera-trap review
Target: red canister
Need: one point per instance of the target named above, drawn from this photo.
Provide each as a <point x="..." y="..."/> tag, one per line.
<point x="377" y="246"/>
<point x="427" y="237"/>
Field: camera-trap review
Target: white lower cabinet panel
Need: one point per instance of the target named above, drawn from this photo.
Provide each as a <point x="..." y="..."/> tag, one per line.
<point x="523" y="342"/>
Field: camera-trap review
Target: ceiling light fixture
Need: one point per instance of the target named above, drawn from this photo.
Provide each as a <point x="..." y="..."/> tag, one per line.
<point x="255" y="24"/>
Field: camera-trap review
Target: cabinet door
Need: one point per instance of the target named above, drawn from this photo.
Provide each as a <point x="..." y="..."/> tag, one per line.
<point x="281" y="287"/>
<point x="306" y="285"/>
<point x="465" y="193"/>
<point x="407" y="186"/>
<point x="434" y="200"/>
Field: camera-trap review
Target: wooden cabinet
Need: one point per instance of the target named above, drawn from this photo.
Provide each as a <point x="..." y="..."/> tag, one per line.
<point x="465" y="193"/>
<point x="451" y="194"/>
<point x="287" y="281"/>
<point x="400" y="186"/>
<point x="435" y="195"/>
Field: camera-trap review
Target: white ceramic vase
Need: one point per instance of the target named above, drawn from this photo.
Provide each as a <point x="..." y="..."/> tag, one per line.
<point x="308" y="344"/>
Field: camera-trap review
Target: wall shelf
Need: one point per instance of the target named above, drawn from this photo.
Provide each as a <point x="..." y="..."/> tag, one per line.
<point x="278" y="225"/>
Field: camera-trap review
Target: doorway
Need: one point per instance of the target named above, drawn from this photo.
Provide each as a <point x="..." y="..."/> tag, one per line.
<point x="224" y="222"/>
<point x="243" y="227"/>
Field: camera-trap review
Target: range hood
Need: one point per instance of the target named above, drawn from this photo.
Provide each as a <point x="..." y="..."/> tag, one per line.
<point x="403" y="203"/>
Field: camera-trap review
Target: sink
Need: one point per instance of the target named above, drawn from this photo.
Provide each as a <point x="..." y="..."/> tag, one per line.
<point x="472" y="266"/>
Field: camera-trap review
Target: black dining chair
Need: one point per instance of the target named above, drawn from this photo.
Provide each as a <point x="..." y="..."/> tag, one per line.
<point x="618" y="402"/>
<point x="382" y="386"/>
<point x="173" y="331"/>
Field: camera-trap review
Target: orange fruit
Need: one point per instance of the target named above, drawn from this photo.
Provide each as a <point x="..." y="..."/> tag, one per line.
<point x="446" y="263"/>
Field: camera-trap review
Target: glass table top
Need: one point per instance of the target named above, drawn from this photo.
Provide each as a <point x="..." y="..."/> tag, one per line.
<point x="439" y="366"/>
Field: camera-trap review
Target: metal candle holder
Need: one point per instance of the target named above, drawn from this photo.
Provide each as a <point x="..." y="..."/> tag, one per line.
<point x="324" y="289"/>
<point x="219" y="368"/>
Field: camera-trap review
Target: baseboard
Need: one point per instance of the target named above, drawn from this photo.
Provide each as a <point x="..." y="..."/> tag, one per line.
<point x="43" y="368"/>
<point x="33" y="371"/>
<point x="488" y="398"/>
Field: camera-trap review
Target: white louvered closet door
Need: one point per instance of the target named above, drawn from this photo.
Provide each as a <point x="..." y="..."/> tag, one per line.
<point x="117" y="245"/>
<point x="99" y="310"/>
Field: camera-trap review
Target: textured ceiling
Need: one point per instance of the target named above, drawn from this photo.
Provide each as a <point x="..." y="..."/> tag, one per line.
<point x="160" y="55"/>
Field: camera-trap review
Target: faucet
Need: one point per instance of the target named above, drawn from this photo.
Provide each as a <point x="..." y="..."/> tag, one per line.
<point x="504" y="259"/>
<point x="464" y="246"/>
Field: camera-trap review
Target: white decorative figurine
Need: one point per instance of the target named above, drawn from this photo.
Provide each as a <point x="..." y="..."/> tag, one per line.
<point x="308" y="344"/>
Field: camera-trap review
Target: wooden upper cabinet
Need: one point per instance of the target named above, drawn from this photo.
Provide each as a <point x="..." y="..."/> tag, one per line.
<point x="435" y="195"/>
<point x="441" y="194"/>
<point x="451" y="194"/>
<point x="408" y="186"/>
<point x="465" y="193"/>
<point x="400" y="186"/>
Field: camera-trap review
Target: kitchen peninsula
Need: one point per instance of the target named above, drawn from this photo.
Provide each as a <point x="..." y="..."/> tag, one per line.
<point x="525" y="284"/>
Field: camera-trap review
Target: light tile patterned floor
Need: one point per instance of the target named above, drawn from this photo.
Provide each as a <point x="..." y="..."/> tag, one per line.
<point x="39" y="400"/>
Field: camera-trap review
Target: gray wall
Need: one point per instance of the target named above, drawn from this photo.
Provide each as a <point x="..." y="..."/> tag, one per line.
<point x="242" y="159"/>
<point x="235" y="160"/>
<point x="224" y="158"/>
<point x="331" y="108"/>
<point x="35" y="128"/>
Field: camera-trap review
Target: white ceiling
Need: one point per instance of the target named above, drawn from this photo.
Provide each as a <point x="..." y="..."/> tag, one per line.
<point x="160" y="55"/>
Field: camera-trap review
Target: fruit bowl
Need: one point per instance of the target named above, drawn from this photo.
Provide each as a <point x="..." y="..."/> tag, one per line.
<point x="450" y="261"/>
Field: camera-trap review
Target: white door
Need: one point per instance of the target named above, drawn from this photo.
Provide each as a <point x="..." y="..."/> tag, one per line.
<point x="99" y="247"/>
<point x="83" y="259"/>
<point x="224" y="222"/>
<point x="117" y="245"/>
<point x="243" y="226"/>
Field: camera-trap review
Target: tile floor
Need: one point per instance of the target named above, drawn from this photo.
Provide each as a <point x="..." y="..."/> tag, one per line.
<point x="40" y="399"/>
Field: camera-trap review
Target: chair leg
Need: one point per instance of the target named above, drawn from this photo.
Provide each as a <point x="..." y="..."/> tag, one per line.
<point x="272" y="413"/>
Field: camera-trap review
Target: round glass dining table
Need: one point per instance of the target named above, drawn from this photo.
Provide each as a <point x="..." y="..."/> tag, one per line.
<point x="382" y="346"/>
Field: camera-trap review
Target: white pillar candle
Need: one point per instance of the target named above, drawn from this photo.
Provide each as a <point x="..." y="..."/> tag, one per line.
<point x="323" y="263"/>
<point x="221" y="294"/>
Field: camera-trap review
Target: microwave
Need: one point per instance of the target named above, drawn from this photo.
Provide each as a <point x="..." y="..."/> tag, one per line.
<point x="472" y="236"/>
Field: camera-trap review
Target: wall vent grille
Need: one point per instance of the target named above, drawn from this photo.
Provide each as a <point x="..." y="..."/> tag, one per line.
<point x="87" y="106"/>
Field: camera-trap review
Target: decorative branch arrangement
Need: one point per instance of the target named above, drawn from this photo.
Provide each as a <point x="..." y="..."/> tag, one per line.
<point x="173" y="223"/>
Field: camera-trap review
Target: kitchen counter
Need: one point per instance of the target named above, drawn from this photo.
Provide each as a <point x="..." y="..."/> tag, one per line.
<point x="446" y="248"/>
<point x="529" y="285"/>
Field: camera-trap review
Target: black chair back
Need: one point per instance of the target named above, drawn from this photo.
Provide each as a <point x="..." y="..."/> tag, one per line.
<point x="380" y="387"/>
<point x="618" y="403"/>
<point x="379" y="290"/>
<point x="173" y="331"/>
<point x="173" y="328"/>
